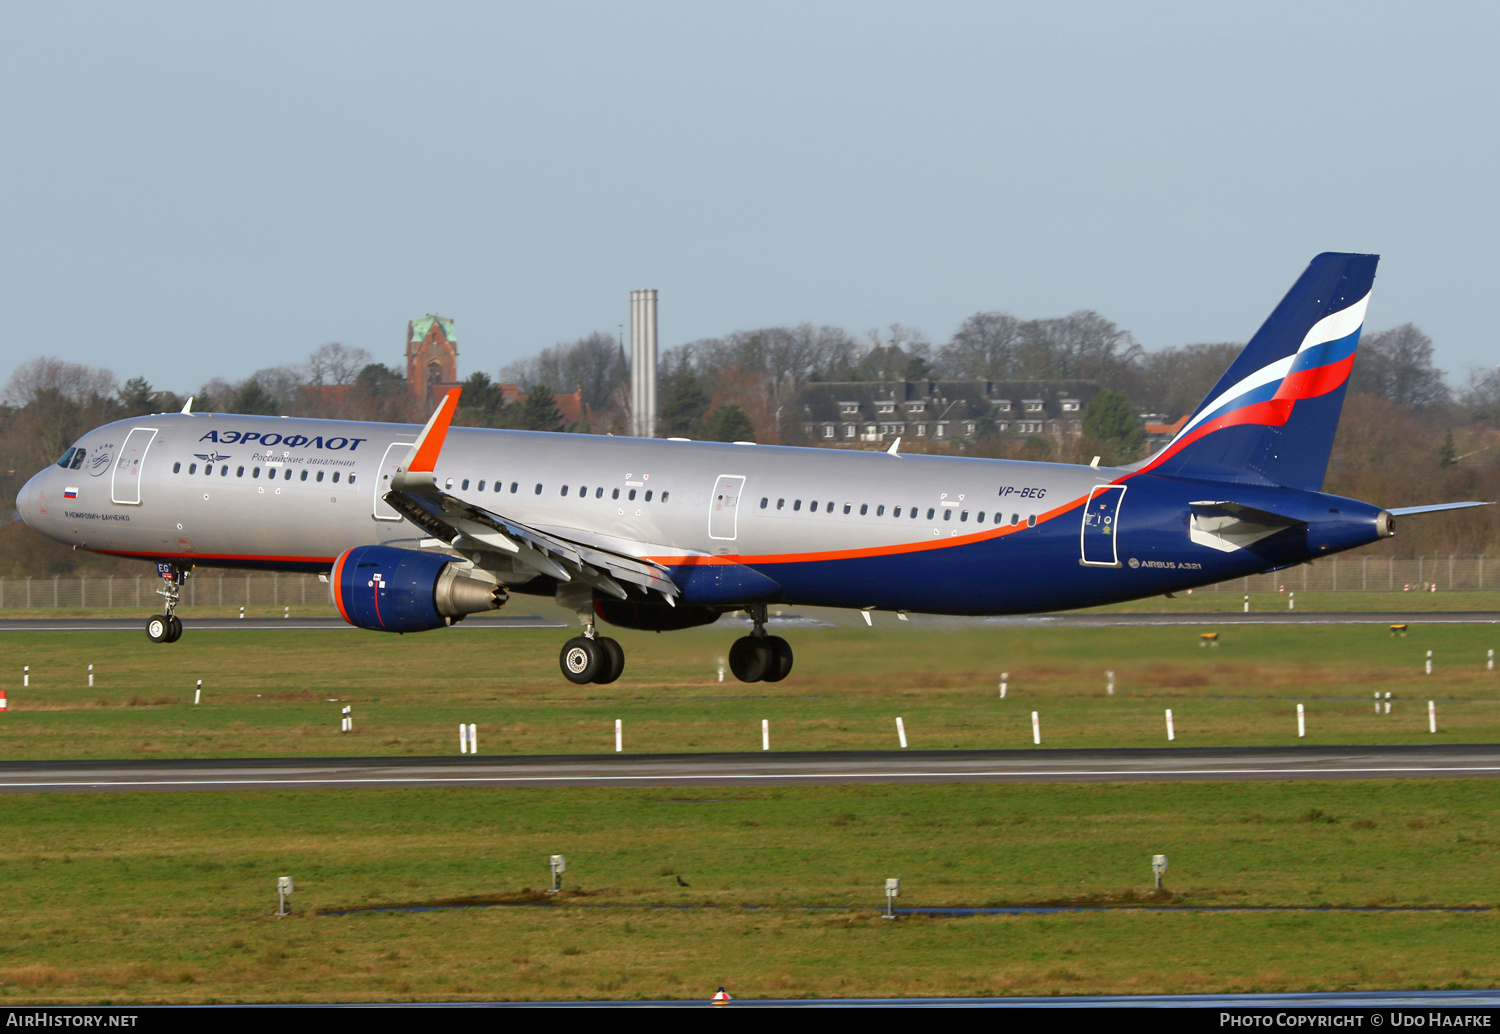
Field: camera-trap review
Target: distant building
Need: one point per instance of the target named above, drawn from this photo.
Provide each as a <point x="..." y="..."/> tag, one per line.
<point x="431" y="358"/>
<point x="851" y="412"/>
<point x="1158" y="431"/>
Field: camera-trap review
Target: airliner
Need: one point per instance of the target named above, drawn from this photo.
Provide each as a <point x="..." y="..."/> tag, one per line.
<point x="415" y="528"/>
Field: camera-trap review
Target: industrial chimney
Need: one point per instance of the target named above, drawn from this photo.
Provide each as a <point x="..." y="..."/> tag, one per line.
<point x="643" y="363"/>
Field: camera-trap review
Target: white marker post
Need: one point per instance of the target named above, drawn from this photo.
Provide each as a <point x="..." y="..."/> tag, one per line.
<point x="1291" y="601"/>
<point x="198" y="693"/>
<point x="1301" y="722"/>
<point x="91" y="676"/>
<point x="1429" y="662"/>
<point x="1004" y="678"/>
<point x="1247" y="604"/>
<point x="347" y="725"/>
<point x="2" y="700"/>
<point x="473" y="736"/>
<point x="765" y="734"/>
<point x="1171" y="735"/>
<point x="619" y="743"/>
<point x="1431" y="717"/>
<point x="26" y="676"/>
<point x="242" y="613"/>
<point x="1377" y="701"/>
<point x="1109" y="683"/>
<point x="1387" y="703"/>
<point x="1490" y="665"/>
<point x="721" y="669"/>
<point x="901" y="732"/>
<point x="1036" y="729"/>
<point x="463" y="738"/>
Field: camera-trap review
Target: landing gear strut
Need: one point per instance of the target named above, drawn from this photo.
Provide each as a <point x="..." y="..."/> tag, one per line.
<point x="590" y="657"/>
<point x="167" y="627"/>
<point x="758" y="657"/>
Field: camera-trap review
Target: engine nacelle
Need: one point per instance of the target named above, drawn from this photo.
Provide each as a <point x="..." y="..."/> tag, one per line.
<point x="650" y="616"/>
<point x="405" y="590"/>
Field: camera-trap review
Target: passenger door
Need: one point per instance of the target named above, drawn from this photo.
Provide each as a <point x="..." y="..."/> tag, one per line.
<point x="724" y="506"/>
<point x="1101" y="522"/>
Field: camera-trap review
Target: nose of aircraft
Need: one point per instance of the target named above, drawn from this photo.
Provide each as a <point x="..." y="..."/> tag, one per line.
<point x="31" y="500"/>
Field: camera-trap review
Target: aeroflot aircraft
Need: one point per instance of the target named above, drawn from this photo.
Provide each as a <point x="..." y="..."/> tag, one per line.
<point x="415" y="528"/>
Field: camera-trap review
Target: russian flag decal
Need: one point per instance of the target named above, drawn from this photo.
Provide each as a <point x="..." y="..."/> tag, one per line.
<point x="70" y="493"/>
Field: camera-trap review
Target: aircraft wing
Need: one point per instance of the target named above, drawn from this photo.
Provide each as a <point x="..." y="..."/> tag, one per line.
<point x="469" y="528"/>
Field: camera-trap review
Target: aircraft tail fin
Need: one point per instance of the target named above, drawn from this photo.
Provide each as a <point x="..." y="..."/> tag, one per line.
<point x="1272" y="416"/>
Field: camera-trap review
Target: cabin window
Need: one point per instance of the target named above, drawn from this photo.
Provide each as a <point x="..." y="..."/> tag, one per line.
<point x="599" y="492"/>
<point x="913" y="513"/>
<point x="797" y="504"/>
<point x="880" y="511"/>
<point x="847" y="507"/>
<point x="192" y="468"/>
<point x="208" y="469"/>
<point x="632" y="493"/>
<point x="813" y="508"/>
<point x="481" y="484"/>
<point x="864" y="508"/>
<point x="255" y="472"/>
<point x="664" y="496"/>
<point x="930" y="512"/>
<point x="538" y="488"/>
<point x="896" y="512"/>
<point x="648" y="495"/>
<point x="615" y="494"/>
<point x="1015" y="518"/>
<point x="830" y="506"/>
<point x="320" y="475"/>
<point x="515" y="486"/>
<point x="1031" y="521"/>
<point x="335" y="477"/>
<point x="947" y="515"/>
<point x="780" y="503"/>
<point x="765" y="501"/>
<point x="287" y="476"/>
<point x="499" y="485"/>
<point x="564" y="490"/>
<point x="466" y="484"/>
<point x="979" y="517"/>
<point x="224" y="471"/>
<point x="963" y="517"/>
<point x="583" y="491"/>
<point x="177" y="467"/>
<point x="351" y="477"/>
<point x="303" y="478"/>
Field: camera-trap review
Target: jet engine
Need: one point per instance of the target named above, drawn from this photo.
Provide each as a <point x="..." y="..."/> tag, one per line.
<point x="389" y="589"/>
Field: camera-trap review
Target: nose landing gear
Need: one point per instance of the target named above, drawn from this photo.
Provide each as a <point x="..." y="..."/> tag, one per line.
<point x="758" y="657"/>
<point x="167" y="627"/>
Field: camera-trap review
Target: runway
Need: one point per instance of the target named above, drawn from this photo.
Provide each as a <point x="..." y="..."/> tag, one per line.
<point x="192" y="624"/>
<point x="758" y="769"/>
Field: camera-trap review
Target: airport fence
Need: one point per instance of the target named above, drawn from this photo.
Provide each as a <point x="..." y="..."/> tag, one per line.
<point x="1446" y="573"/>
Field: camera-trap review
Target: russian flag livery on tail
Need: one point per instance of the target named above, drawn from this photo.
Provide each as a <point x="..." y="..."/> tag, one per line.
<point x="1272" y="416"/>
<point x="417" y="528"/>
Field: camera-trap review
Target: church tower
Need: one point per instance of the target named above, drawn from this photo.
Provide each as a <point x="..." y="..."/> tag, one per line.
<point x="431" y="358"/>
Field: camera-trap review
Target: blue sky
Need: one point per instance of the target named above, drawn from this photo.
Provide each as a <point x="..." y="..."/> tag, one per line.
<point x="198" y="190"/>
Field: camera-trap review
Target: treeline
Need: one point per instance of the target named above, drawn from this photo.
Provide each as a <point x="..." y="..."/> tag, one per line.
<point x="1406" y="437"/>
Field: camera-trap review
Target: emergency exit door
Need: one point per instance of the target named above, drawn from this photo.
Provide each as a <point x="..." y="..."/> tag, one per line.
<point x="1101" y="525"/>
<point x="724" y="507"/>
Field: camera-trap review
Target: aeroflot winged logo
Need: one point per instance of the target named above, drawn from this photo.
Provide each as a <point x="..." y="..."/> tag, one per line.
<point x="291" y="441"/>
<point x="1320" y="365"/>
<point x="211" y="457"/>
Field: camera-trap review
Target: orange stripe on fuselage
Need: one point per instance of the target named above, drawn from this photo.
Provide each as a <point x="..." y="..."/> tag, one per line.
<point x="867" y="552"/>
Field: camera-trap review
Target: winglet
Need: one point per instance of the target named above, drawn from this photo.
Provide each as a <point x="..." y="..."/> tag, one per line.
<point x="430" y="441"/>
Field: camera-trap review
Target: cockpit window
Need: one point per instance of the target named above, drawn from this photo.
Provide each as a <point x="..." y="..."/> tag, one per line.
<point x="78" y="455"/>
<point x="66" y="462"/>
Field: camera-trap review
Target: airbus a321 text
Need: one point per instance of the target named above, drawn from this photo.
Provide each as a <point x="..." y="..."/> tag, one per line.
<point x="415" y="528"/>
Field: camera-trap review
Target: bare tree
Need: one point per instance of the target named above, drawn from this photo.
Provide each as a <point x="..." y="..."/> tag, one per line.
<point x="46" y="376"/>
<point x="334" y="363"/>
<point x="1397" y="364"/>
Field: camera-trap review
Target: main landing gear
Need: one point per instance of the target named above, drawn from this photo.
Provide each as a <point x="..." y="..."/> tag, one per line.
<point x="591" y="658"/>
<point x="167" y="626"/>
<point x="758" y="657"/>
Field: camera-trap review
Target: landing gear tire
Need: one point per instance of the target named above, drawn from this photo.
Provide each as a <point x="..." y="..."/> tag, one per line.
<point x="582" y="659"/>
<point x="159" y="629"/>
<point x="176" y="632"/>
<point x="781" y="659"/>
<point x="614" y="661"/>
<point x="750" y="658"/>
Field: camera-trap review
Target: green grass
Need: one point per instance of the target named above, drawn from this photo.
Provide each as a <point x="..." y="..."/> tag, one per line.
<point x="281" y="693"/>
<point x="165" y="897"/>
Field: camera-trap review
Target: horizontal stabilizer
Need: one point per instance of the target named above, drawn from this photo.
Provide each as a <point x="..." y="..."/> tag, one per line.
<point x="1229" y="526"/>
<point x="1241" y="512"/>
<point x="1407" y="511"/>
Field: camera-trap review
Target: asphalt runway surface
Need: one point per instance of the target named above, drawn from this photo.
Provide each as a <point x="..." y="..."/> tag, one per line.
<point x="758" y="769"/>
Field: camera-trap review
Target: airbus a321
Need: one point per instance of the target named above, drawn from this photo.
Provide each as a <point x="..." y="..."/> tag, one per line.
<point x="417" y="527"/>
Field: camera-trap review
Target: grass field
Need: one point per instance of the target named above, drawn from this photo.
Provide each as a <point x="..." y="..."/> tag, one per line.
<point x="165" y="897"/>
<point x="162" y="897"/>
<point x="281" y="693"/>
